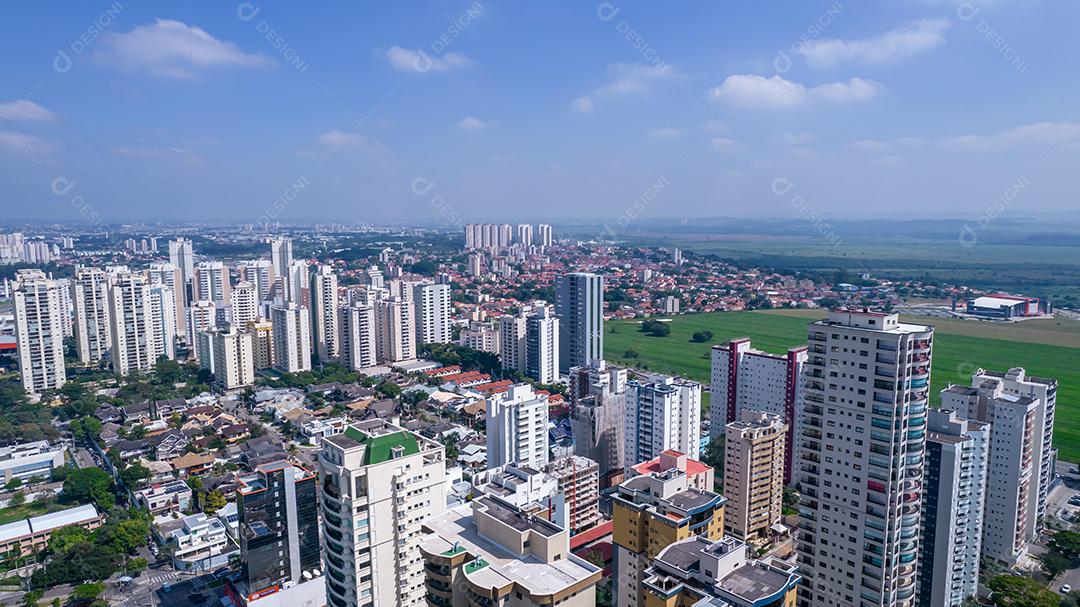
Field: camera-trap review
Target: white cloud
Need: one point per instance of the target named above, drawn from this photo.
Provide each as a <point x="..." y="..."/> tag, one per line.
<point x="173" y="49"/>
<point x="883" y="145"/>
<point x="334" y="138"/>
<point x="583" y="105"/>
<point x="913" y="38"/>
<point x="723" y="143"/>
<point x="1042" y="133"/>
<point x="627" y="79"/>
<point x="714" y="126"/>
<point x="666" y="132"/>
<point x="470" y="123"/>
<point x="756" y="91"/>
<point x="417" y="61"/>
<point x="24" y="110"/>
<point x="26" y="143"/>
<point x="797" y="138"/>
<point x="145" y="151"/>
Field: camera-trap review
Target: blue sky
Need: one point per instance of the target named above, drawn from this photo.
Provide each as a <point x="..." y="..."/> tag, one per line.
<point x="484" y="110"/>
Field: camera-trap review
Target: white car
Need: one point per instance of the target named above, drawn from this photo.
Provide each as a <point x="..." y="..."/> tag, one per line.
<point x="1066" y="589"/>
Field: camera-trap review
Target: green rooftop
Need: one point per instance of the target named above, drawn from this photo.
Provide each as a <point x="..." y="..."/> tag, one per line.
<point x="456" y="550"/>
<point x="475" y="565"/>
<point x="379" y="448"/>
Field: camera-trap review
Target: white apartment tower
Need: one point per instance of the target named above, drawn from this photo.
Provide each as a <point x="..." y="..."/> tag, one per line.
<point x="1013" y="481"/>
<point x="202" y="316"/>
<point x="514" y="345"/>
<point x="957" y="452"/>
<point x="163" y="318"/>
<point x="432" y="303"/>
<point x="597" y="414"/>
<point x="380" y="483"/>
<point x="212" y="283"/>
<point x="356" y="326"/>
<point x="292" y="338"/>
<point x="524" y="235"/>
<point x="182" y="256"/>
<point x="579" y="304"/>
<point x="169" y="275"/>
<point x="662" y="413"/>
<point x="133" y="333"/>
<point x="543" y="233"/>
<point x="230" y="356"/>
<point x="860" y="459"/>
<point x="296" y="287"/>
<point x="281" y="256"/>
<point x="324" y="308"/>
<point x="517" y="430"/>
<point x="396" y="330"/>
<point x="39" y="333"/>
<point x="260" y="273"/>
<point x="90" y="300"/>
<point x="542" y="346"/>
<point x="746" y="378"/>
<point x="245" y="304"/>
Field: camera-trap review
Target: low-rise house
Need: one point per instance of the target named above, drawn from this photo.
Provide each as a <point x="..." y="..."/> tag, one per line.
<point x="170" y="444"/>
<point x="108" y="413"/>
<point x="164" y="409"/>
<point x="191" y="464"/>
<point x="32" y="534"/>
<point x="138" y="413"/>
<point x="128" y="449"/>
<point x="201" y="544"/>
<point x="164" y="498"/>
<point x="315" y="430"/>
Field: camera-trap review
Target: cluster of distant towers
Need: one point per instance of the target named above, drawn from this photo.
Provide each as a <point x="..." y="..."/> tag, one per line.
<point x="483" y="235"/>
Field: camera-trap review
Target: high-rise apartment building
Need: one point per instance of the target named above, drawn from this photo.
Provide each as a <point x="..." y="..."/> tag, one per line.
<point x="485" y="337"/>
<point x="90" y="300"/>
<point x="950" y="542"/>
<point x="262" y="337"/>
<point x="1017" y="421"/>
<point x="163" y="319"/>
<point x="245" y="304"/>
<point x="579" y="304"/>
<point x="662" y="413"/>
<point x="491" y="552"/>
<point x="356" y="327"/>
<point x="542" y="346"/>
<point x="292" y="338"/>
<point x="396" y="329"/>
<point x="229" y="355"/>
<point x="754" y="475"/>
<point x="260" y="273"/>
<point x="295" y="284"/>
<point x="131" y="321"/>
<point x="432" y="304"/>
<point x="543" y="232"/>
<point x="380" y="483"/>
<point x="169" y="275"/>
<point x="278" y="533"/>
<point x="39" y="334"/>
<point x="860" y="452"/>
<point x="699" y="571"/>
<point x="202" y="316"/>
<point x="651" y="512"/>
<point x="281" y="256"/>
<point x="746" y="378"/>
<point x="514" y="345"/>
<point x="324" y="312"/>
<point x="212" y="283"/>
<point x="578" y="479"/>
<point x="524" y="235"/>
<point x="597" y="414"/>
<point x="182" y="256"/>
<point x="517" y="431"/>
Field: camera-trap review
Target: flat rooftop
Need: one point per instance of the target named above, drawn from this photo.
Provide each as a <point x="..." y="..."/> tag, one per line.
<point x="495" y="566"/>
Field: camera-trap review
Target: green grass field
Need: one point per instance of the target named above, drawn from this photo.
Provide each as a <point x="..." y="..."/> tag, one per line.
<point x="957" y="352"/>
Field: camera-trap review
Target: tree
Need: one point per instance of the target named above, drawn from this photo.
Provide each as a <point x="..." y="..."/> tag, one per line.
<point x="89" y="484"/>
<point x="702" y="336"/>
<point x="18" y="499"/>
<point x="1067" y="543"/>
<point x="631" y="354"/>
<point x="1017" y="591"/>
<point x="656" y="328"/>
<point x="450" y="441"/>
<point x="214" y="501"/>
<point x="389" y="389"/>
<point x="86" y="593"/>
<point x="134" y="476"/>
<point x="13" y="484"/>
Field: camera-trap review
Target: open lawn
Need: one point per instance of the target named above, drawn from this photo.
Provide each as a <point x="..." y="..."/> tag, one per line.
<point x="18" y="513"/>
<point x="959" y="349"/>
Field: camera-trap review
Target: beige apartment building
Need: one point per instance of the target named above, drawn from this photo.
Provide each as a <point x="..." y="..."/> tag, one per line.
<point x="754" y="475"/>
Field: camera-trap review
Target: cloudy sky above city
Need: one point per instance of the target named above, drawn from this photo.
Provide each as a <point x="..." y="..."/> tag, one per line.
<point x="500" y="111"/>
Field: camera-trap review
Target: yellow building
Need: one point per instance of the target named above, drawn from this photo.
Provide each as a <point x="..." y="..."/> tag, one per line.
<point x="698" y="571"/>
<point x="651" y="512"/>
